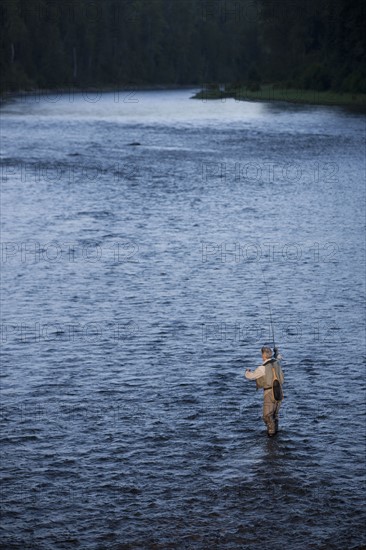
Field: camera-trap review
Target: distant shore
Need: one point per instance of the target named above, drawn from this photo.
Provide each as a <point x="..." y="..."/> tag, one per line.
<point x="9" y="95"/>
<point x="266" y="93"/>
<point x="270" y="92"/>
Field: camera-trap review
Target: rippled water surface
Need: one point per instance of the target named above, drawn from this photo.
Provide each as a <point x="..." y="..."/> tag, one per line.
<point x="133" y="302"/>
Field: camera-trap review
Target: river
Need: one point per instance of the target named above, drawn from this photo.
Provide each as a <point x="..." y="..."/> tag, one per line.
<point x="134" y="300"/>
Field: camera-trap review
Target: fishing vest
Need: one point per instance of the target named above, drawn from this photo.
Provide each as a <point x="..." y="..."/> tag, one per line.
<point x="266" y="381"/>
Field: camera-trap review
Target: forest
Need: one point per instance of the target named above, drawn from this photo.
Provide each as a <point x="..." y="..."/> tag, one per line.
<point x="308" y="44"/>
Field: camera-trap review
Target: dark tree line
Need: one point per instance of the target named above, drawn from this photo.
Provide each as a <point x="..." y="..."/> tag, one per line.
<point x="318" y="44"/>
<point x="57" y="43"/>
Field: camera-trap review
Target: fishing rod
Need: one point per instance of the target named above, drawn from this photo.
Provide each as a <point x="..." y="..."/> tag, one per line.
<point x="269" y="306"/>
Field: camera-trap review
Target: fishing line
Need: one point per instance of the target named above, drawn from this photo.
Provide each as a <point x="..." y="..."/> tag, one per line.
<point x="269" y="306"/>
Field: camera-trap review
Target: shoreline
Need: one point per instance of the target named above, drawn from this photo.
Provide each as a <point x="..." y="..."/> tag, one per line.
<point x="267" y="93"/>
<point x="273" y="93"/>
<point x="8" y="96"/>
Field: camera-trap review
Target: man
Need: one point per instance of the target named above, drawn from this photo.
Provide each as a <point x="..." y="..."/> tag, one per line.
<point x="263" y="376"/>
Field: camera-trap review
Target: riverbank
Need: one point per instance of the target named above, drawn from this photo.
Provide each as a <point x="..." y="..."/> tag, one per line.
<point x="91" y="91"/>
<point x="271" y="92"/>
<point x="267" y="92"/>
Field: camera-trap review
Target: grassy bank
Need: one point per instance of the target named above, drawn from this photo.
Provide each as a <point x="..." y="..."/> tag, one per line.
<point x="270" y="92"/>
<point x="267" y="92"/>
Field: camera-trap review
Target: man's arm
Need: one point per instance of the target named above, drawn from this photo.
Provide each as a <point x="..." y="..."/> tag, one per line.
<point x="276" y="353"/>
<point x="258" y="373"/>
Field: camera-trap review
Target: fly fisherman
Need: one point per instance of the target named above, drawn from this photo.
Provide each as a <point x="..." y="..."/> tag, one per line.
<point x="264" y="376"/>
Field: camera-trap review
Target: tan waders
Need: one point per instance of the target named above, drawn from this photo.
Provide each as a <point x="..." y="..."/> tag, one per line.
<point x="271" y="409"/>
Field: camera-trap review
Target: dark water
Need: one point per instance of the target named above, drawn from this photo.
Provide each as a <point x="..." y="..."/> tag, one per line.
<point x="133" y="301"/>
